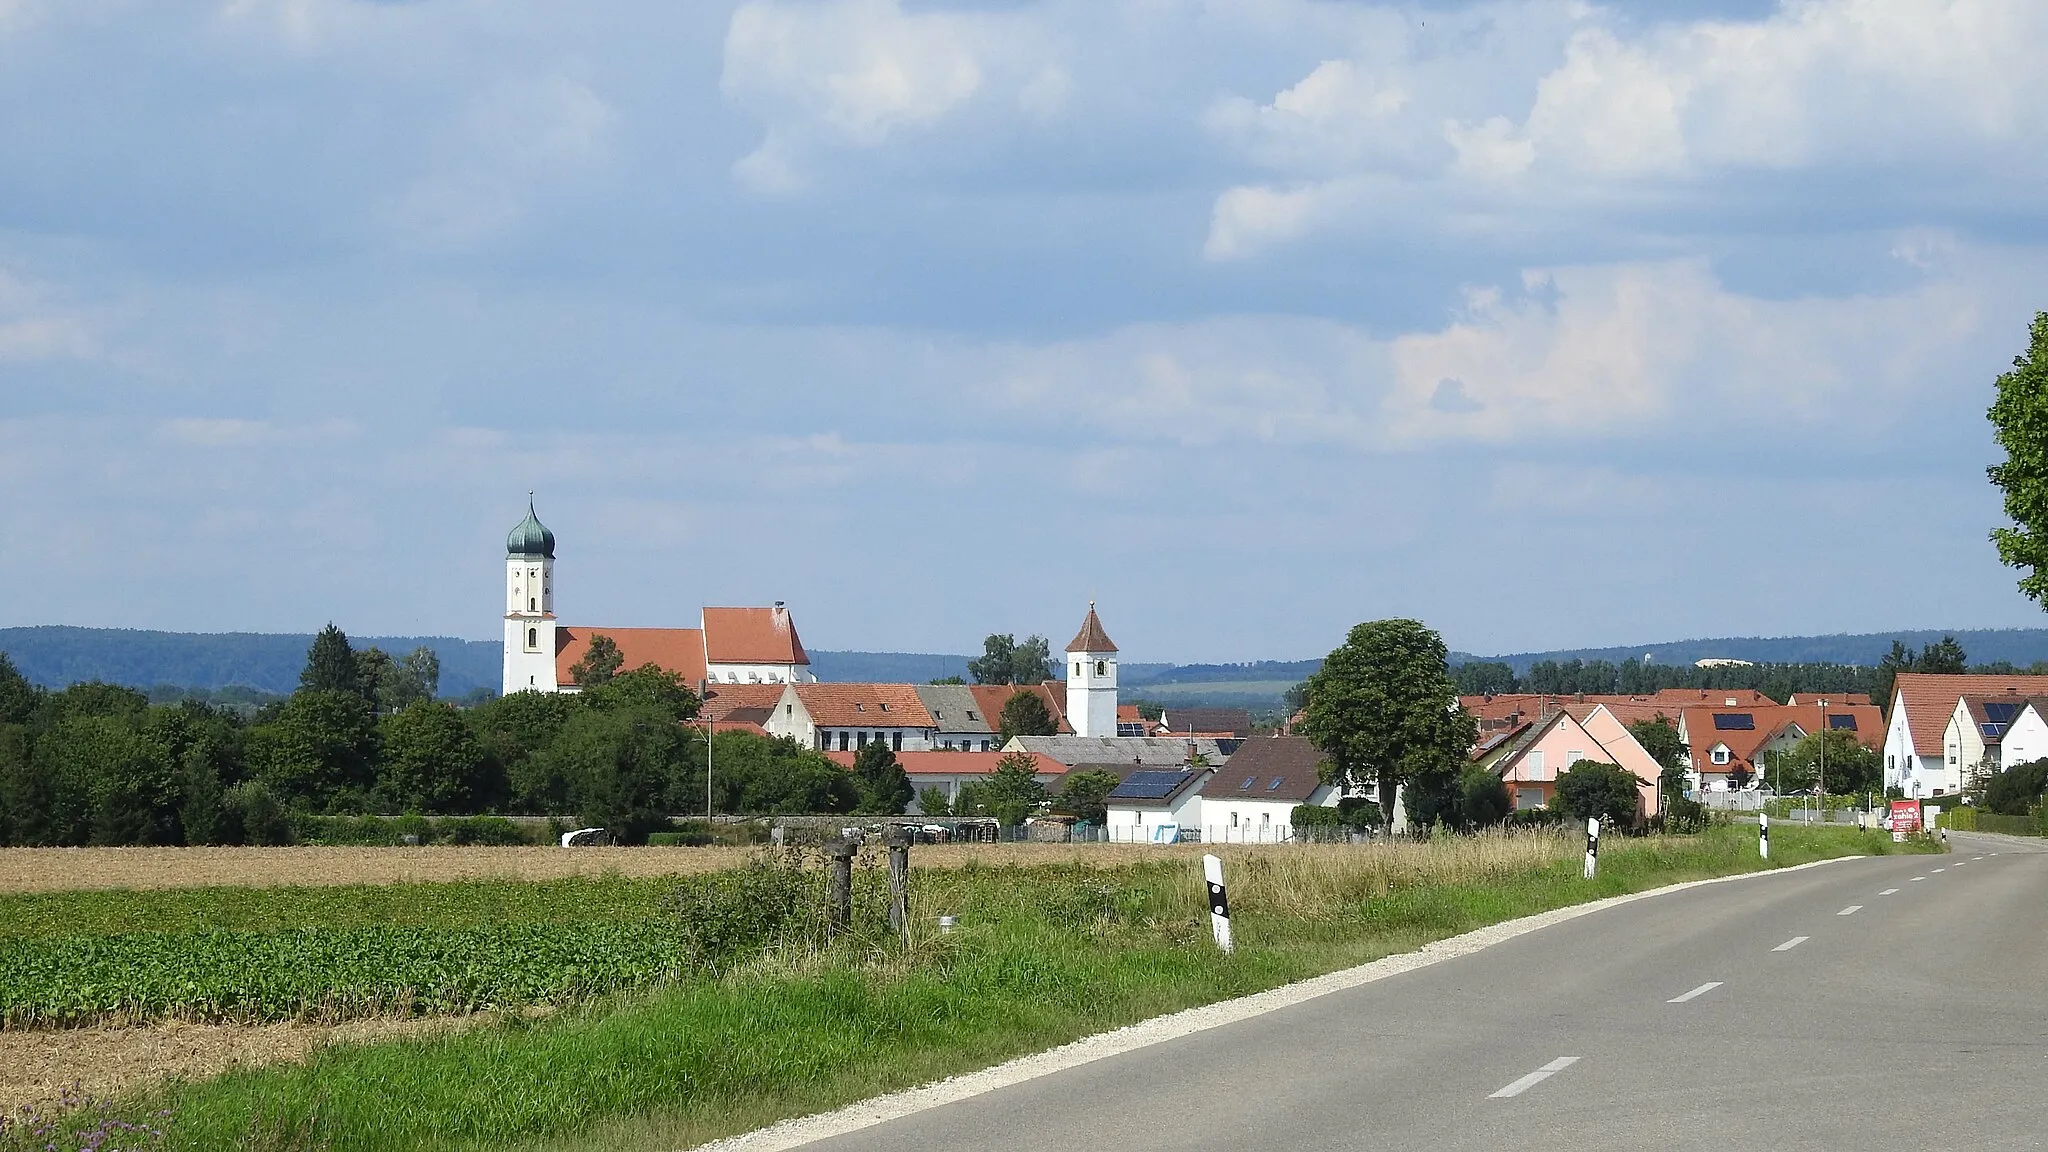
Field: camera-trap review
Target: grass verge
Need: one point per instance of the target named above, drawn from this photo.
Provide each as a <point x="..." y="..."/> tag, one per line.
<point x="1044" y="955"/>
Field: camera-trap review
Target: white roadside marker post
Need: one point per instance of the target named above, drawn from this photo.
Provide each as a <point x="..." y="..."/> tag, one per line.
<point x="1219" y="904"/>
<point x="1763" y="835"/>
<point x="1592" y="845"/>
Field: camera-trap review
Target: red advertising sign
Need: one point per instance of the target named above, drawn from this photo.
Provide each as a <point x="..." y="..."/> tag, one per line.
<point x="1905" y="818"/>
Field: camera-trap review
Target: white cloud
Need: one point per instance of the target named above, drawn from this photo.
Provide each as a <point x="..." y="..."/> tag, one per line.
<point x="857" y="73"/>
<point x="35" y="326"/>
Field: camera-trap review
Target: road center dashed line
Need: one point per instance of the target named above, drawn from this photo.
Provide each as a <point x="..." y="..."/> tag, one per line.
<point x="1702" y="990"/>
<point x="1535" y="1078"/>
<point x="1916" y="879"/>
<point x="1889" y="892"/>
<point x="1851" y="910"/>
<point x="1941" y="869"/>
<point x="1794" y="942"/>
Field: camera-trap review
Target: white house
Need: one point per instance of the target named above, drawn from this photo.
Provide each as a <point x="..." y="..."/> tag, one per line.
<point x="1917" y="755"/>
<point x="2026" y="738"/>
<point x="848" y="717"/>
<point x="1252" y="799"/>
<point x="1150" y="799"/>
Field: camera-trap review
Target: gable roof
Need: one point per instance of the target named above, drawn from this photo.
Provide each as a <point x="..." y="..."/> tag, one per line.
<point x="944" y="763"/>
<point x="678" y="650"/>
<point x="1269" y="768"/>
<point x="1743" y="731"/>
<point x="863" y="705"/>
<point x="954" y="708"/>
<point x="752" y="636"/>
<point x="992" y="697"/>
<point x="1207" y="721"/>
<point x="1091" y="637"/>
<point x="1150" y="751"/>
<point x="1929" y="699"/>
<point x="1157" y="787"/>
<point x="740" y="703"/>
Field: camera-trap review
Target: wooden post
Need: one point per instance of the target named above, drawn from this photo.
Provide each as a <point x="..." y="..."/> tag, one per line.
<point x="898" y="839"/>
<point x="839" y="886"/>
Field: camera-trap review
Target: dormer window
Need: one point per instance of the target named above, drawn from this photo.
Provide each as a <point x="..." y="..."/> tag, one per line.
<point x="884" y="706"/>
<point x="1720" y="754"/>
<point x="858" y="708"/>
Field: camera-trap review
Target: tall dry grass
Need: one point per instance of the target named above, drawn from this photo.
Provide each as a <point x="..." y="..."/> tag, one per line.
<point x="1325" y="881"/>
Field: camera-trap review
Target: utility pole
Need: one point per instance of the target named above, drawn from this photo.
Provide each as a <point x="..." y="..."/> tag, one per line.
<point x="1821" y="789"/>
<point x="703" y="703"/>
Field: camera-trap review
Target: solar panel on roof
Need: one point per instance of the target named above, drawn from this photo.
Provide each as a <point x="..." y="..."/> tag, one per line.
<point x="1992" y="731"/>
<point x="1148" y="785"/>
<point x="2001" y="712"/>
<point x="1848" y="722"/>
<point x="1734" y="722"/>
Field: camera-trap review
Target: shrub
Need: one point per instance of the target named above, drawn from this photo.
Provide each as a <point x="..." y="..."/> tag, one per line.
<point x="1685" y="815"/>
<point x="2015" y="791"/>
<point x="1360" y="813"/>
<point x="1535" y="818"/>
<point x="1590" y="789"/>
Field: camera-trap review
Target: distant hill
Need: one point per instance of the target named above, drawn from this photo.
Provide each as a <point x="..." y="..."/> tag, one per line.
<point x="270" y="662"/>
<point x="2019" y="646"/>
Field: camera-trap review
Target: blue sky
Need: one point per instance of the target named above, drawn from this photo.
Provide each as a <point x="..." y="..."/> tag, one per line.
<point x="1548" y="323"/>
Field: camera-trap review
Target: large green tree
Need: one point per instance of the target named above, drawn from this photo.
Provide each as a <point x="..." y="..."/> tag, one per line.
<point x="1084" y="795"/>
<point x="432" y="762"/>
<point x="18" y="697"/>
<point x="1013" y="790"/>
<point x="2019" y="422"/>
<point x="623" y="769"/>
<point x="766" y="775"/>
<point x="1025" y="714"/>
<point x="1384" y="709"/>
<point x="600" y="662"/>
<point x="1031" y="661"/>
<point x="321" y="751"/>
<point x="996" y="663"/>
<point x="514" y="731"/>
<point x="331" y="665"/>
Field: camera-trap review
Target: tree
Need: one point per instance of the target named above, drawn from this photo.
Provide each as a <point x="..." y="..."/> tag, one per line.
<point x="1484" y="677"/>
<point x="373" y="668"/>
<point x="1383" y="708"/>
<point x="1025" y="714"/>
<point x="320" y="752"/>
<point x="1031" y="662"/>
<point x="600" y="662"/>
<point x="1944" y="656"/>
<point x="1085" y="795"/>
<point x="415" y="677"/>
<point x="2019" y="422"/>
<point x="970" y="799"/>
<point x="18" y="697"/>
<point x="1851" y="768"/>
<point x="649" y="686"/>
<point x="514" y="731"/>
<point x="1483" y="798"/>
<point x="763" y="775"/>
<point x="932" y="801"/>
<point x="1013" y="788"/>
<point x="432" y="763"/>
<point x="1591" y="788"/>
<point x="997" y="664"/>
<point x="622" y="769"/>
<point x="2015" y="791"/>
<point x="884" y="787"/>
<point x="331" y="664"/>
<point x="1659" y="737"/>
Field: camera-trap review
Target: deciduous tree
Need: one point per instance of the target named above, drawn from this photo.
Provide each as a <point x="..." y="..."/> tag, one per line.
<point x="1592" y="788"/>
<point x="1383" y="708"/>
<point x="2019" y="422"/>
<point x="1085" y="795"/>
<point x="600" y="662"/>
<point x="997" y="662"/>
<point x="1013" y="791"/>
<point x="1025" y="714"/>
<point x="884" y="787"/>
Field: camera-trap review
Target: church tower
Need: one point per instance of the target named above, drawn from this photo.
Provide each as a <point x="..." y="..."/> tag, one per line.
<point x="530" y="606"/>
<point x="1091" y="679"/>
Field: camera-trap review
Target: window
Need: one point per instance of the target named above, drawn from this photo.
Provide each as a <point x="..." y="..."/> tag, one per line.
<point x="861" y="739"/>
<point x="1233" y="819"/>
<point x="1536" y="760"/>
<point x="896" y="741"/>
<point x="789" y="709"/>
<point x="858" y="708"/>
<point x="1574" y="756"/>
<point x="842" y="740"/>
<point x="1265" y="819"/>
<point x="971" y="715"/>
<point x="532" y="605"/>
<point x="533" y="639"/>
<point x="984" y="745"/>
<point x="1248" y="782"/>
<point x="1720" y="754"/>
<point x="1077" y="669"/>
<point x="884" y="705"/>
<point x="1102" y="667"/>
<point x="1275" y="785"/>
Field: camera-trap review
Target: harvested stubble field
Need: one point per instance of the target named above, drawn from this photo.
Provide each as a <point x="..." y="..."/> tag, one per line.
<point x="72" y="869"/>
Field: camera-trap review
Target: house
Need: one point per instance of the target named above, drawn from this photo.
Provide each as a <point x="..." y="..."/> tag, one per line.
<point x="2026" y="737"/>
<point x="1252" y="799"/>
<point x="1726" y="745"/>
<point x="1144" y="751"/>
<point x="1130" y="722"/>
<point x="1978" y="730"/>
<point x="1917" y="758"/>
<point x="993" y="698"/>
<point x="1222" y="722"/>
<point x="847" y="717"/>
<point x="1531" y="764"/>
<point x="948" y="770"/>
<point x="960" y="721"/>
<point x="1152" y="803"/>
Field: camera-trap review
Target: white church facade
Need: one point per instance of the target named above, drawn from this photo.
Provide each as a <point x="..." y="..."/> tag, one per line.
<point x="730" y="645"/>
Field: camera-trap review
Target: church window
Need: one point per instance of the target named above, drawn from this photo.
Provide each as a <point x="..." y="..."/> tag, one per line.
<point x="1077" y="667"/>
<point x="533" y="638"/>
<point x="1102" y="667"/>
<point x="530" y="606"/>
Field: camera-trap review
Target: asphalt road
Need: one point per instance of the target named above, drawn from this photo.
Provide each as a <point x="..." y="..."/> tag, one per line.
<point x="1918" y="1020"/>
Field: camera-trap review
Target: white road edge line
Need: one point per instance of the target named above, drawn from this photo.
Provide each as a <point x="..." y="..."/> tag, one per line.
<point x="1889" y="892"/>
<point x="1851" y="910"/>
<point x="1794" y="942"/>
<point x="1535" y="1078"/>
<point x="802" y="1130"/>
<point x="1702" y="990"/>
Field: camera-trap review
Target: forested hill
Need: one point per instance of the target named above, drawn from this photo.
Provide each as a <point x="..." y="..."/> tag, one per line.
<point x="54" y="656"/>
<point x="2021" y="647"/>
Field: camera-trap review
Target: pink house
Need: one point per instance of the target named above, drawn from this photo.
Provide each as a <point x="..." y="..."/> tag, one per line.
<point x="1530" y="764"/>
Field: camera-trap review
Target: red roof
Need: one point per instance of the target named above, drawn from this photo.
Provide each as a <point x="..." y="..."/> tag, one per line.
<point x="679" y="650"/>
<point x="992" y="697"/>
<point x="958" y="763"/>
<point x="1743" y="697"/>
<point x="864" y="706"/>
<point x="1930" y="699"/>
<point x="752" y="636"/>
<point x="735" y="703"/>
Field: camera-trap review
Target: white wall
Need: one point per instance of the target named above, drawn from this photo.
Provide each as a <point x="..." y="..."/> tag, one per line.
<point x="759" y="673"/>
<point x="1091" y="693"/>
<point x="2026" y="740"/>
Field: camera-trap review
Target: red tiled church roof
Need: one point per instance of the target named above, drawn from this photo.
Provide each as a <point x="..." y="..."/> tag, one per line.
<point x="752" y="636"/>
<point x="679" y="650"/>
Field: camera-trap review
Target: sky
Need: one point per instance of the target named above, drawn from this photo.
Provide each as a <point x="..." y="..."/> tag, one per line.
<point x="1545" y="322"/>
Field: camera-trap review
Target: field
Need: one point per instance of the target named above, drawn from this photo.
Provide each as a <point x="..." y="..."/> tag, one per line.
<point x="743" y="1013"/>
<point x="72" y="869"/>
